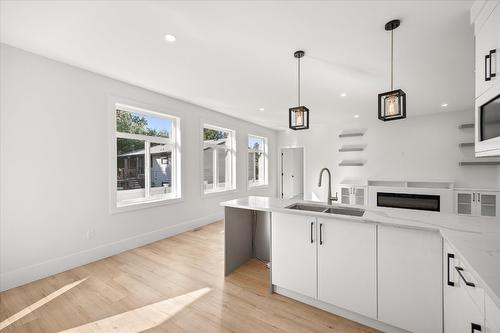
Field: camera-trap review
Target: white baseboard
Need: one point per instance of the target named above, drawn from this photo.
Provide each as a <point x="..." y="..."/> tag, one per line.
<point x="373" y="323"/>
<point x="35" y="272"/>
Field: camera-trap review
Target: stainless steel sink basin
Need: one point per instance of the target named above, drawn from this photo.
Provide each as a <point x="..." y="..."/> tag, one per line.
<point x="311" y="208"/>
<point x="329" y="210"/>
<point x="345" y="211"/>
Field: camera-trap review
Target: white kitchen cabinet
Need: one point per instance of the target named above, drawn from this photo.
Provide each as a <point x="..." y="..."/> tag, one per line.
<point x="487" y="39"/>
<point x="463" y="304"/>
<point x="353" y="195"/>
<point x="487" y="203"/>
<point x="477" y="203"/>
<point x="347" y="271"/>
<point x="492" y="316"/>
<point x="293" y="246"/>
<point x="410" y="279"/>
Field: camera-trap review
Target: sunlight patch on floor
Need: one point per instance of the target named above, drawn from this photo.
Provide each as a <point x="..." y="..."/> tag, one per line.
<point x="142" y="318"/>
<point x="39" y="303"/>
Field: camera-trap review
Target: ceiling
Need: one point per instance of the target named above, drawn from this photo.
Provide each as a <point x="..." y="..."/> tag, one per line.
<point x="237" y="57"/>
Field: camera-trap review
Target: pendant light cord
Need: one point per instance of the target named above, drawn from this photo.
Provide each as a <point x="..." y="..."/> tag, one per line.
<point x="298" y="85"/>
<point x="392" y="59"/>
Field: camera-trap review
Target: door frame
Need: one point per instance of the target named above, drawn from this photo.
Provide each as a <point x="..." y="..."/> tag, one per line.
<point x="280" y="170"/>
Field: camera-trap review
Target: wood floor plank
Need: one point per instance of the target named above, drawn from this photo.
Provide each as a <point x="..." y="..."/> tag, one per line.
<point x="174" y="285"/>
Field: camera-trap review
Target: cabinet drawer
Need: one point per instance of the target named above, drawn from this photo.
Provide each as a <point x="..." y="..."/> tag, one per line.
<point x="458" y="275"/>
<point x="462" y="308"/>
<point x="468" y="282"/>
<point x="492" y="316"/>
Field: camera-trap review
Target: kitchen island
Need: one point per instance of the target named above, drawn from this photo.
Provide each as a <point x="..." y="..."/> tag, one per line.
<point x="400" y="250"/>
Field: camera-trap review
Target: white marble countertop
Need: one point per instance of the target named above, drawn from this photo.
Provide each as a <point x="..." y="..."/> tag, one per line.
<point x="477" y="239"/>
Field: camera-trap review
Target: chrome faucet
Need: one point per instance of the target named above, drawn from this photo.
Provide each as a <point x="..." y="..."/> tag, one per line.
<point x="330" y="199"/>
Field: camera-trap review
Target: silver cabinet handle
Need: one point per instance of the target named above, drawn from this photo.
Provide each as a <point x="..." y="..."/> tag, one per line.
<point x="479" y="197"/>
<point x="473" y="197"/>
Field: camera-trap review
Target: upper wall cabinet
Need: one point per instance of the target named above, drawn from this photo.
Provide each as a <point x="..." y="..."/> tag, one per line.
<point x="486" y="18"/>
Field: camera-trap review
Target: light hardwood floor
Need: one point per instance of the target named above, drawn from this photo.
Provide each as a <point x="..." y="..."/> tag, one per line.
<point x="173" y="285"/>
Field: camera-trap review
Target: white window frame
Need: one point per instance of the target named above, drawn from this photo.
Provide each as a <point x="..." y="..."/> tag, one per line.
<point x="230" y="171"/>
<point x="264" y="151"/>
<point x="174" y="141"/>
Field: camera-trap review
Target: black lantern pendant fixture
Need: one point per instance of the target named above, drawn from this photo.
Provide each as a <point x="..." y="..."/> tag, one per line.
<point x="298" y="116"/>
<point x="392" y="104"/>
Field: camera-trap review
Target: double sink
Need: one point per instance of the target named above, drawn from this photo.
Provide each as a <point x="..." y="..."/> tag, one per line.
<point x="328" y="209"/>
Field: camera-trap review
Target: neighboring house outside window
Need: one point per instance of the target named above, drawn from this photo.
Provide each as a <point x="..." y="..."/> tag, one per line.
<point x="257" y="161"/>
<point x="218" y="159"/>
<point x="147" y="156"/>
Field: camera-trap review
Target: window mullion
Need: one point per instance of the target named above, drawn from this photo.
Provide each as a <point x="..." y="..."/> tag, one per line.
<point x="147" y="168"/>
<point x="214" y="163"/>
<point x="253" y="166"/>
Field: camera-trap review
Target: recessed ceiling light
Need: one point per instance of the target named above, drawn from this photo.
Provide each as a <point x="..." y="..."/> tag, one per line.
<point x="170" y="38"/>
<point x="261" y="109"/>
<point x="356" y="116"/>
<point x="343" y="94"/>
<point x="444" y="105"/>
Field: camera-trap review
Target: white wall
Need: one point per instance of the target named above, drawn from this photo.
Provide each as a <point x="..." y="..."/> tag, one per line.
<point x="54" y="168"/>
<point x="424" y="147"/>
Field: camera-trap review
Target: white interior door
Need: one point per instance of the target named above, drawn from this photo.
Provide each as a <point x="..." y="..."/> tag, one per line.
<point x="292" y="171"/>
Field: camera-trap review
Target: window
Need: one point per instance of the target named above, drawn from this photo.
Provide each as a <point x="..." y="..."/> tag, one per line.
<point x="257" y="161"/>
<point x="218" y="159"/>
<point x="147" y="156"/>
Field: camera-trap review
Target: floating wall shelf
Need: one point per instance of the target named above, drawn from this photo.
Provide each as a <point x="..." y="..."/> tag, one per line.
<point x="412" y="184"/>
<point x="479" y="163"/>
<point x="347" y="148"/>
<point x="352" y="163"/>
<point x="464" y="126"/>
<point x="466" y="144"/>
<point x="351" y="134"/>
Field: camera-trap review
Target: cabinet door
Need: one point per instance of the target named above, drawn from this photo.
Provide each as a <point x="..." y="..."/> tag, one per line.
<point x="410" y="279"/>
<point x="487" y="38"/>
<point x="492" y="316"/>
<point x="293" y="247"/>
<point x="464" y="202"/>
<point x="359" y="196"/>
<point x="345" y="195"/>
<point x="461" y="314"/>
<point x="487" y="204"/>
<point x="347" y="265"/>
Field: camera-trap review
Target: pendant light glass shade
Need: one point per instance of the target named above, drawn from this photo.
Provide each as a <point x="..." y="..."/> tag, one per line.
<point x="298" y="116"/>
<point x="392" y="104"/>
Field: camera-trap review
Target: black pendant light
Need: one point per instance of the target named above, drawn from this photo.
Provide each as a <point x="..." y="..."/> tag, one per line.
<point x="298" y="116"/>
<point x="392" y="104"/>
